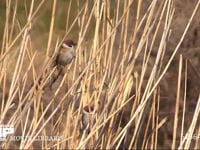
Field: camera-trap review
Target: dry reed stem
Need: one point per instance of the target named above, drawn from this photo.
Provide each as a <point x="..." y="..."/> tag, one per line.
<point x="177" y="103"/>
<point x="105" y="75"/>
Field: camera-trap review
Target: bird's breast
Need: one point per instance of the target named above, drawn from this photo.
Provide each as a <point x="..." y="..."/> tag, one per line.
<point x="65" y="58"/>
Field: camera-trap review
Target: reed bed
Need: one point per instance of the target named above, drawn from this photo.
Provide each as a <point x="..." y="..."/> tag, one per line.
<point x="110" y="95"/>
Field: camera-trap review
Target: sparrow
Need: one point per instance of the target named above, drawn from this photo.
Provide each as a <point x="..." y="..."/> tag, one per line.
<point x="66" y="53"/>
<point x="64" y="57"/>
<point x="88" y="118"/>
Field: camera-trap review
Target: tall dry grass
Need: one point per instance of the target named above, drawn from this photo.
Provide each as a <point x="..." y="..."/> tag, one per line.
<point x="116" y="75"/>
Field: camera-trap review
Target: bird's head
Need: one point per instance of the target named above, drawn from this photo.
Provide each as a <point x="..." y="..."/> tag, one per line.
<point x="68" y="44"/>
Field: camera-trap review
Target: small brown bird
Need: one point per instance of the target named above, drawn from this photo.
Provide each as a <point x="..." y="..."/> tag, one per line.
<point x="88" y="118"/>
<point x="65" y="55"/>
